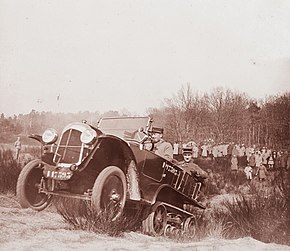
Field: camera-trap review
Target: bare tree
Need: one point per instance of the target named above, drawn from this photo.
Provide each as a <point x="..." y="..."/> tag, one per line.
<point x="186" y="114"/>
<point x="227" y="110"/>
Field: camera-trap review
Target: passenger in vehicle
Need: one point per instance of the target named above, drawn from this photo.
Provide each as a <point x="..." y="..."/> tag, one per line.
<point x="188" y="166"/>
<point x="161" y="147"/>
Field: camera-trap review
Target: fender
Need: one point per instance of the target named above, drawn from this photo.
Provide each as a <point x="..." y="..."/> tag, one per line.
<point x="133" y="182"/>
<point x="129" y="169"/>
<point x="131" y="172"/>
<point x="37" y="138"/>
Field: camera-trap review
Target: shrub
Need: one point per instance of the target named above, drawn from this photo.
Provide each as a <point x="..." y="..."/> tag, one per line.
<point x="265" y="218"/>
<point x="9" y="171"/>
<point x="263" y="212"/>
<point x="82" y="216"/>
<point x="33" y="151"/>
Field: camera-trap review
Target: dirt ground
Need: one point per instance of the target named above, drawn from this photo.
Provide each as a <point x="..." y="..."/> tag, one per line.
<point x="28" y="230"/>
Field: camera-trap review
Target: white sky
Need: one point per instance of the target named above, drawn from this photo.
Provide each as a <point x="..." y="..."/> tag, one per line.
<point x="114" y="55"/>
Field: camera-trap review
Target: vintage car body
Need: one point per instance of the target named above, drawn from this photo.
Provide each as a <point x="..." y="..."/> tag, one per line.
<point x="111" y="165"/>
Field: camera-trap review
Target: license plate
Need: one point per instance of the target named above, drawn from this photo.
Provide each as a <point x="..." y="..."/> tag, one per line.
<point x="59" y="175"/>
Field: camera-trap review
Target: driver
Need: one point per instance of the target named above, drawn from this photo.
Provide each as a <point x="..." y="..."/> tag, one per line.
<point x="188" y="166"/>
<point x="161" y="147"/>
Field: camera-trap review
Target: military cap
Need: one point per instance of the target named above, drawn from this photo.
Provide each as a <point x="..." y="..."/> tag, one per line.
<point x="156" y="129"/>
<point x="187" y="149"/>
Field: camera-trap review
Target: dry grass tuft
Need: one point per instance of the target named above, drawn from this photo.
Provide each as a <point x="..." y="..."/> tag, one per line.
<point x="9" y="171"/>
<point x="82" y="216"/>
<point x="263" y="218"/>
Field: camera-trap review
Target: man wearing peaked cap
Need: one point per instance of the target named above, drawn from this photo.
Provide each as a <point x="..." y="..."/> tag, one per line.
<point x="161" y="147"/>
<point x="157" y="130"/>
<point x="187" y="149"/>
<point x="188" y="166"/>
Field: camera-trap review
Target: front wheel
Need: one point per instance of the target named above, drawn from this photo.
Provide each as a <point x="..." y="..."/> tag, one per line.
<point x="28" y="185"/>
<point x="109" y="192"/>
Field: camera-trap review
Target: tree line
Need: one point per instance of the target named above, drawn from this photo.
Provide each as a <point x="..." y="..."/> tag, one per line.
<point x="222" y="115"/>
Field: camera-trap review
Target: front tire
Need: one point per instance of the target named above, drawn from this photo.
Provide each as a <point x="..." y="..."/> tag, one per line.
<point x="28" y="184"/>
<point x="109" y="192"/>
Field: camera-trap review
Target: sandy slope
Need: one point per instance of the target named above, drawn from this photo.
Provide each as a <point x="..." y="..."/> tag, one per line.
<point x="25" y="229"/>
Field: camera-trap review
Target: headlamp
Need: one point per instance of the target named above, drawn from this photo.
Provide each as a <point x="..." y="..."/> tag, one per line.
<point x="49" y="136"/>
<point x="88" y="136"/>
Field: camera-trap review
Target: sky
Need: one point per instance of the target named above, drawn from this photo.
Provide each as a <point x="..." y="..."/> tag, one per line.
<point x="92" y="55"/>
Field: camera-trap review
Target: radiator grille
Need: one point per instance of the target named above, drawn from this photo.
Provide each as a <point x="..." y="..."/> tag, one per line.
<point x="70" y="147"/>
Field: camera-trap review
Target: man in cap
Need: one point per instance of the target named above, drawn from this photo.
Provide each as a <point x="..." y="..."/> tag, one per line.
<point x="161" y="147"/>
<point x="188" y="166"/>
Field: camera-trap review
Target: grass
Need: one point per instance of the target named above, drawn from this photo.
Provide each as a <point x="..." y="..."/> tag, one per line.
<point x="9" y="171"/>
<point x="260" y="210"/>
<point x="264" y="218"/>
<point x="81" y="215"/>
<point x="10" y="167"/>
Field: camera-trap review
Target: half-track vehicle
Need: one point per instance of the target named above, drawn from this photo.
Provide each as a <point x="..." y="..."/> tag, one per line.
<point x="111" y="165"/>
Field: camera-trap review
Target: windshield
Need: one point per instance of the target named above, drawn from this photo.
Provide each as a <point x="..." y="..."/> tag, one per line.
<point x="125" y="127"/>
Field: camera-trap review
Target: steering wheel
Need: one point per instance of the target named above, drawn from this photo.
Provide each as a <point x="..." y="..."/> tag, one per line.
<point x="149" y="145"/>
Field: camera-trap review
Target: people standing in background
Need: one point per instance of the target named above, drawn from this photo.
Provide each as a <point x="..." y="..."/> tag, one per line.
<point x="234" y="168"/>
<point x="271" y="160"/>
<point x="194" y="152"/>
<point x="175" y="150"/>
<point x="248" y="152"/>
<point x="215" y="152"/>
<point x="248" y="171"/>
<point x="204" y="151"/>
<point x="252" y="160"/>
<point x="209" y="151"/>
<point x="262" y="172"/>
<point x="234" y="163"/>
<point x="230" y="148"/>
<point x="17" y="146"/>
<point x="237" y="152"/>
<point x="258" y="158"/>
<point x="265" y="156"/>
<point x="274" y="155"/>
<point x="243" y="156"/>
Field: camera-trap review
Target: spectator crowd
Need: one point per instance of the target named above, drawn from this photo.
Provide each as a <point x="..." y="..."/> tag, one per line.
<point x="252" y="159"/>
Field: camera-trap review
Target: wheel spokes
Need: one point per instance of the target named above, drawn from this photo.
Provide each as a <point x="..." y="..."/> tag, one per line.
<point x="160" y="219"/>
<point x="112" y="194"/>
<point x="32" y="188"/>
